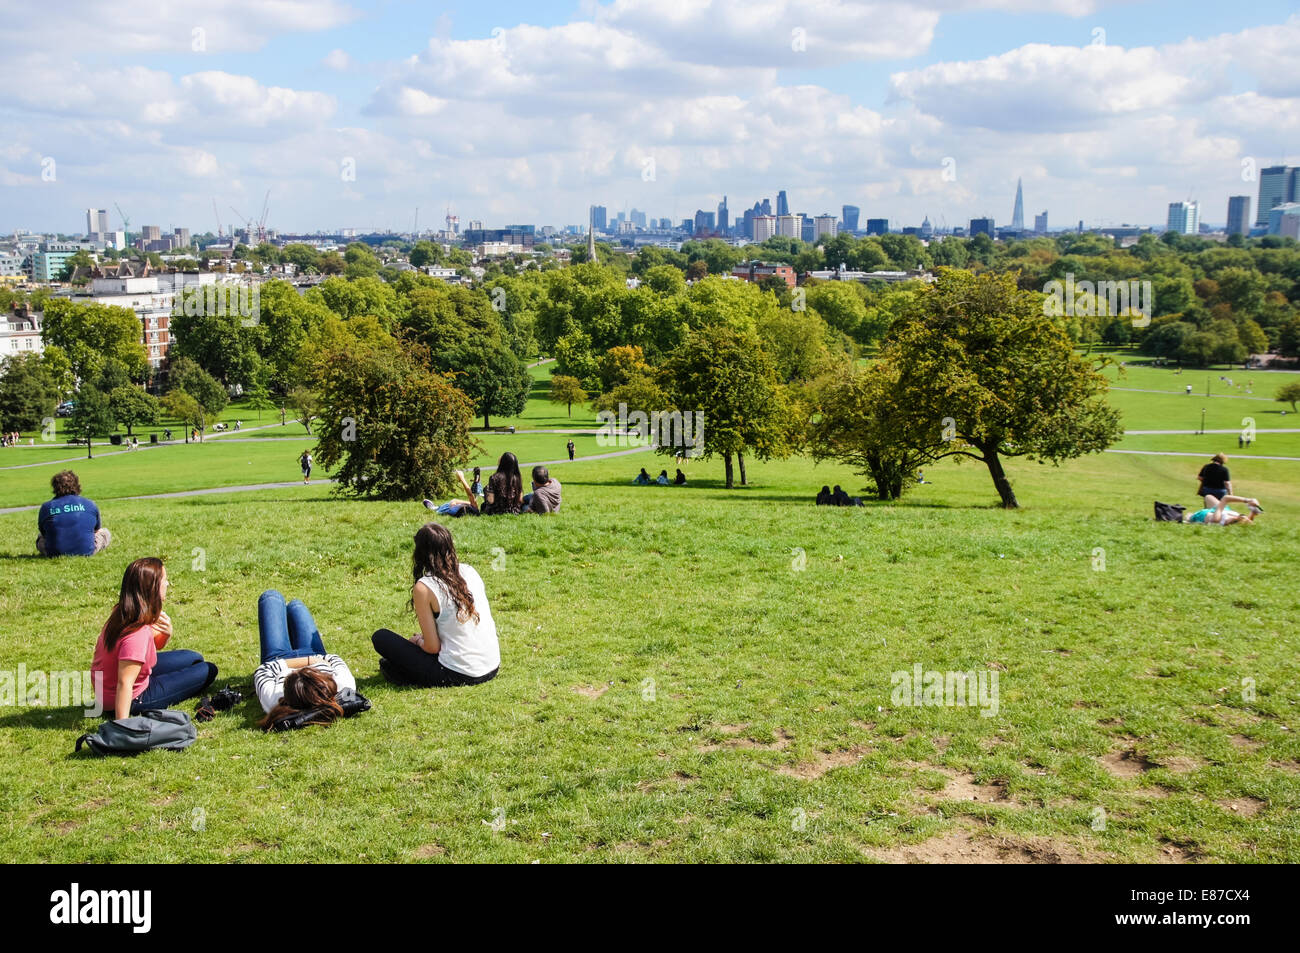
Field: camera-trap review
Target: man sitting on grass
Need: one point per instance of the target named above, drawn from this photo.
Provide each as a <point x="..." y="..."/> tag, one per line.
<point x="69" y="523"/>
<point x="545" y="497"/>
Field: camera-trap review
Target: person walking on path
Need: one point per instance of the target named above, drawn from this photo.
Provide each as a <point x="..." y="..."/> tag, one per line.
<point x="571" y="449"/>
<point x="304" y="461"/>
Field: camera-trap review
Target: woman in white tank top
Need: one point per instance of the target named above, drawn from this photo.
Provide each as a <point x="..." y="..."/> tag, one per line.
<point x="457" y="643"/>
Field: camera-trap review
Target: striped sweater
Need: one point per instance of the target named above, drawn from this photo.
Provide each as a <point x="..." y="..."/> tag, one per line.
<point x="268" y="680"/>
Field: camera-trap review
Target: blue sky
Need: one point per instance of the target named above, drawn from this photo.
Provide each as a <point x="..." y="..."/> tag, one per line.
<point x="571" y="104"/>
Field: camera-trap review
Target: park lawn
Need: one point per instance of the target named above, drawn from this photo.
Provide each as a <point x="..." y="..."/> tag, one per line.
<point x="701" y="674"/>
<point x="232" y="461"/>
<point x="1264" y="444"/>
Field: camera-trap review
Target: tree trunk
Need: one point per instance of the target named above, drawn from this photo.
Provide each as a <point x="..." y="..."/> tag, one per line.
<point x="726" y="457"/>
<point x="1000" y="480"/>
<point x="88" y="453"/>
<point x="570" y="410"/>
<point x="486" y="425"/>
<point x="741" y="458"/>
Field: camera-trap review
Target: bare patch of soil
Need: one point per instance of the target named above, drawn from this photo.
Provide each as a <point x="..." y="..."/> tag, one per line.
<point x="1126" y="764"/>
<point x="1243" y="806"/>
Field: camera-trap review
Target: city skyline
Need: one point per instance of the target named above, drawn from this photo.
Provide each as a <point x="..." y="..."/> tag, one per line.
<point x="349" y="122"/>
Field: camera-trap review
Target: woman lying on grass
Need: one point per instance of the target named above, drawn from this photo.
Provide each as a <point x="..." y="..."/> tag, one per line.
<point x="298" y="683"/>
<point x="457" y="644"/>
<point x="130" y="671"/>
<point x="1217" y="513"/>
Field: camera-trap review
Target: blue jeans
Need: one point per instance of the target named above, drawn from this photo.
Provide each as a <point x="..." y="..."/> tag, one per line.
<point x="176" y="676"/>
<point x="286" y="631"/>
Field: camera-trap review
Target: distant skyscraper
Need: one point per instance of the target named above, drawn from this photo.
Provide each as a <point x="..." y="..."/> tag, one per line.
<point x="591" y="231"/>
<point x="789" y="226"/>
<point x="782" y="203"/>
<point x="877" y="226"/>
<point x="765" y="208"/>
<point x="1018" y="213"/>
<point x="1238" y="214"/>
<point x="598" y="220"/>
<point x="96" y="223"/>
<point x="807" y="227"/>
<point x="850" y="217"/>
<point x="637" y="218"/>
<point x="1040" y="223"/>
<point x="981" y="226"/>
<point x="724" y="217"/>
<point x="824" y="227"/>
<point x="764" y="227"/>
<point x="1277" y="186"/>
<point x="747" y="224"/>
<point x="704" y="221"/>
<point x="1184" y="218"/>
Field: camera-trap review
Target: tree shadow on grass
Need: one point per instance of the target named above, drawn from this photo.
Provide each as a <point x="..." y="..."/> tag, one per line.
<point x="73" y="718"/>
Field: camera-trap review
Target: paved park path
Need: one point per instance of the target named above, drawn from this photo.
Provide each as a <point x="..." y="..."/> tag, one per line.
<point x="284" y="486"/>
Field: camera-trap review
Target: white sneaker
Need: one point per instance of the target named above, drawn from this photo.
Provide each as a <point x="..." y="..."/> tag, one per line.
<point x="430" y="505"/>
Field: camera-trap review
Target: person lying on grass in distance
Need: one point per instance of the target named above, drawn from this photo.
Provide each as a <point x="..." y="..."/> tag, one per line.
<point x="457" y="643"/>
<point x="1218" y="513"/>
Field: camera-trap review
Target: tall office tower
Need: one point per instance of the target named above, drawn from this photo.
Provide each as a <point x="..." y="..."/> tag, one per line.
<point x="1238" y="214"/>
<point x="782" y="204"/>
<point x="1040" y="223"/>
<point x="724" y="217"/>
<point x="181" y="237"/>
<point x="96" y="224"/>
<point x="877" y="226"/>
<point x="637" y="218"/>
<point x="1277" y="186"/>
<point x="598" y="220"/>
<point x="704" y="221"/>
<point x="824" y="226"/>
<point x="151" y="233"/>
<point x="789" y="226"/>
<point x="1018" y="213"/>
<point x="850" y="217"/>
<point x="1184" y="218"/>
<point x="807" y="227"/>
<point x="765" y="208"/>
<point x="981" y="226"/>
<point x="747" y="224"/>
<point x="764" y="227"/>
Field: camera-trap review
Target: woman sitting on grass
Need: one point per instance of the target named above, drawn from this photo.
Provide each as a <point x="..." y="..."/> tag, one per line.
<point x="297" y="676"/>
<point x="457" y="644"/>
<point x="129" y="670"/>
<point x="504" y="492"/>
<point x="1217" y="513"/>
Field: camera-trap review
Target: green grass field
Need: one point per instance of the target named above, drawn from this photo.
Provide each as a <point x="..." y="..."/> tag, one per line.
<point x="697" y="674"/>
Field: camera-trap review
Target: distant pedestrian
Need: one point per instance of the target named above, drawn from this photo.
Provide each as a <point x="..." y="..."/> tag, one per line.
<point x="571" y="449"/>
<point x="305" y="461"/>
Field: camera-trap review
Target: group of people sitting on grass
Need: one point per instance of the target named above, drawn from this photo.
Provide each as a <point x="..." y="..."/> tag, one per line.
<point x="644" y="479"/>
<point x="298" y="679"/>
<point x="504" y="492"/>
<point x="837" y="497"/>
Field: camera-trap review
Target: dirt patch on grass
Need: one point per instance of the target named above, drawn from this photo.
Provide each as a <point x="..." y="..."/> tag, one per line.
<point x="591" y="691"/>
<point x="427" y="851"/>
<point x="1290" y="767"/>
<point x="1172" y="853"/>
<point x="783" y="739"/>
<point x="1180" y="765"/>
<point x="1245" y="743"/>
<point x="1126" y="764"/>
<point x="962" y="786"/>
<point x="1243" y="806"/>
<point x="680" y="777"/>
<point x="824" y="761"/>
<point x="964" y="846"/>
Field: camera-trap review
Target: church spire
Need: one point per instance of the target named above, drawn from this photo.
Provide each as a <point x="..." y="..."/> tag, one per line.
<point x="591" y="233"/>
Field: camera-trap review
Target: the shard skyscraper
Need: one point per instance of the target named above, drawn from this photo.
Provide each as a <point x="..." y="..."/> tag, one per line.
<point x="1018" y="216"/>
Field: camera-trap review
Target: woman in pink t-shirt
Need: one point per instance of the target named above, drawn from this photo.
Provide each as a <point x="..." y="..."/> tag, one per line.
<point x="130" y="672"/>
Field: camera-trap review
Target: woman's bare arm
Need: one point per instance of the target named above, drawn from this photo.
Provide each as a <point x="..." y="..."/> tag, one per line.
<point x="426" y="613"/>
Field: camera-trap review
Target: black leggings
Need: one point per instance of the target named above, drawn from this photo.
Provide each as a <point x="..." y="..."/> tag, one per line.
<point x="416" y="665"/>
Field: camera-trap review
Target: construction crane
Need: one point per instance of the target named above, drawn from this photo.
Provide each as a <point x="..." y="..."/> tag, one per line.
<point x="261" y="222"/>
<point x="126" y="222"/>
<point x="218" y="215"/>
<point x="248" y="224"/>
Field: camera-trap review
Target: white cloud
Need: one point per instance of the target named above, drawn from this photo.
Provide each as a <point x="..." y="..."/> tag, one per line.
<point x="337" y="60"/>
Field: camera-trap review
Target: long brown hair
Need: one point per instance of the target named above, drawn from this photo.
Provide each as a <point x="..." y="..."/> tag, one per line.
<point x="139" y="602"/>
<point x="304" y="690"/>
<point x="435" y="555"/>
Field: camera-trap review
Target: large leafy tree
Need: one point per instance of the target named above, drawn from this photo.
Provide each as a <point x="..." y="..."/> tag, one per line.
<point x="29" y="392"/>
<point x="220" y="343"/>
<point x="492" y="377"/>
<point x="90" y="334"/>
<point x="725" y="374"/>
<point x="130" y="405"/>
<point x="567" y="391"/>
<point x="394" y="427"/>
<point x="184" y="374"/>
<point x="986" y="373"/>
<point x="91" y="416"/>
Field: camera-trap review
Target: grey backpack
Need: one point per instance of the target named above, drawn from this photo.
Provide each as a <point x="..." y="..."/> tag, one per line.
<point x="166" y="729"/>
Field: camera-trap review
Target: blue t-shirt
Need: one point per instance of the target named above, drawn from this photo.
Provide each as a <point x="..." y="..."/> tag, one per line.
<point x="68" y="524"/>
